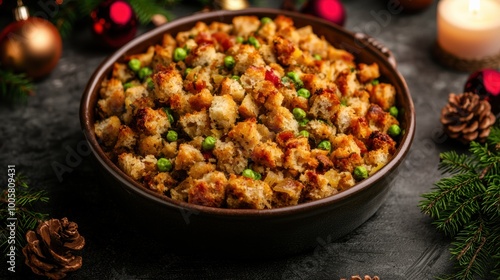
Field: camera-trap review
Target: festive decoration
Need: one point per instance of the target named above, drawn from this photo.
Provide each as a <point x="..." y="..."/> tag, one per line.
<point x="31" y="45"/>
<point x="50" y="249"/>
<point x="28" y="200"/>
<point x="331" y="10"/>
<point x="14" y="88"/>
<point x="486" y="84"/>
<point x="414" y="6"/>
<point x="114" y="23"/>
<point x="465" y="207"/>
<point x="467" y="118"/>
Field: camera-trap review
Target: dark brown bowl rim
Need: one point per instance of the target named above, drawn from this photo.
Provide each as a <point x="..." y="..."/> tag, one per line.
<point x="105" y="66"/>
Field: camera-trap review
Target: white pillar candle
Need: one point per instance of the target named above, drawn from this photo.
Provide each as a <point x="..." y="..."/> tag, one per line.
<point x="469" y="29"/>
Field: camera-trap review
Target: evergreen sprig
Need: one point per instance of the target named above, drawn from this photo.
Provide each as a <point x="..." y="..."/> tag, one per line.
<point x="27" y="203"/>
<point x="466" y="207"/>
<point x="70" y="12"/>
<point x="14" y="88"/>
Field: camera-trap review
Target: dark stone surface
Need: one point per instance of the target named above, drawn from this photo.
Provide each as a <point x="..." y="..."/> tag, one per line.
<point x="398" y="242"/>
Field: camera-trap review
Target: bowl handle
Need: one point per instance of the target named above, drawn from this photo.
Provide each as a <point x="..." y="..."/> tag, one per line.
<point x="379" y="46"/>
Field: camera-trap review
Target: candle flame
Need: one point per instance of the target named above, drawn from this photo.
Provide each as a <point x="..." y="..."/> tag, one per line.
<point x="474" y="5"/>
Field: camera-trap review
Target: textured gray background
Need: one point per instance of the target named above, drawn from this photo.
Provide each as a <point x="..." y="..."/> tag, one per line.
<point x="398" y="242"/>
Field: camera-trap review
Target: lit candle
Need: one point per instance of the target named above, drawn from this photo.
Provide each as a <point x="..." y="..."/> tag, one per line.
<point x="469" y="29"/>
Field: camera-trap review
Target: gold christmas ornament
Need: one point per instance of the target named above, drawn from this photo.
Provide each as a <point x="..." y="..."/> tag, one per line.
<point x="31" y="45"/>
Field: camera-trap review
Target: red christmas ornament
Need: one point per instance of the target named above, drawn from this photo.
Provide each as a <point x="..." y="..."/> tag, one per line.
<point x="114" y="23"/>
<point x="331" y="10"/>
<point x="486" y="84"/>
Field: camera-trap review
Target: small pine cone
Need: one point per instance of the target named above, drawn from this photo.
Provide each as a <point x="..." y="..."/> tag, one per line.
<point x="467" y="118"/>
<point x="50" y="248"/>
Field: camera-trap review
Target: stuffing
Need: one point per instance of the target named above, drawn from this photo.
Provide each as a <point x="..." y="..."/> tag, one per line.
<point x="287" y="193"/>
<point x="267" y="154"/>
<point x="245" y="25"/>
<point x="367" y="72"/>
<point x="246" y="135"/>
<point x="199" y="169"/>
<point x="151" y="122"/>
<point x="126" y="140"/>
<point x="134" y="166"/>
<point x="195" y="124"/>
<point x="223" y="112"/>
<point x="298" y="155"/>
<point x="168" y="81"/>
<point x="245" y="56"/>
<point x="240" y="83"/>
<point x="136" y="97"/>
<point x="187" y="156"/>
<point x="346" y="152"/>
<point x="243" y="192"/>
<point x="145" y="58"/>
<point x="281" y="119"/>
<point x="378" y="119"/>
<point x="316" y="186"/>
<point x="230" y="159"/>
<point x="319" y="130"/>
<point x="208" y="190"/>
<point x="161" y="182"/>
<point x="248" y="108"/>
<point x="201" y="100"/>
<point x="383" y="95"/>
<point x="233" y="88"/>
<point x="107" y="130"/>
<point x="286" y="52"/>
<point x="325" y="105"/>
<point x="121" y="72"/>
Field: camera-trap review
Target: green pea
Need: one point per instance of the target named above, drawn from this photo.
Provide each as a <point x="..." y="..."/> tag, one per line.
<point x="375" y="82"/>
<point x="170" y="115"/>
<point x="257" y="175"/>
<point x="265" y="20"/>
<point x="299" y="114"/>
<point x="394" y="130"/>
<point x="254" y="42"/>
<point x="317" y="57"/>
<point x="186" y="72"/>
<point x="325" y="145"/>
<point x="144" y="72"/>
<point x="179" y="54"/>
<point x="239" y="39"/>
<point x="229" y="62"/>
<point x="248" y="173"/>
<point x="353" y="69"/>
<point x="343" y="102"/>
<point x="285" y="80"/>
<point x="303" y="92"/>
<point x="134" y="64"/>
<point x="127" y="85"/>
<point x="304" y="133"/>
<point x="360" y="173"/>
<point x="172" y="136"/>
<point x="149" y="82"/>
<point x="164" y="165"/>
<point x="393" y="111"/>
<point x="236" y="78"/>
<point x="296" y="79"/>
<point x="208" y="143"/>
<point x="303" y="122"/>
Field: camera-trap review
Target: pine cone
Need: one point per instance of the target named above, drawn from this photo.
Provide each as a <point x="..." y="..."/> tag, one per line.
<point x="467" y="118"/>
<point x="50" y="249"/>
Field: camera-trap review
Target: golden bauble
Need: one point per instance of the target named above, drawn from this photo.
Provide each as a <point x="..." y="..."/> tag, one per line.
<point x="32" y="46"/>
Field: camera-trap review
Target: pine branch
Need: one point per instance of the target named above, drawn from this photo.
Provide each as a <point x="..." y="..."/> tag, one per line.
<point x="26" y="204"/>
<point x="466" y="206"/>
<point x="145" y="10"/>
<point x="14" y="88"/>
